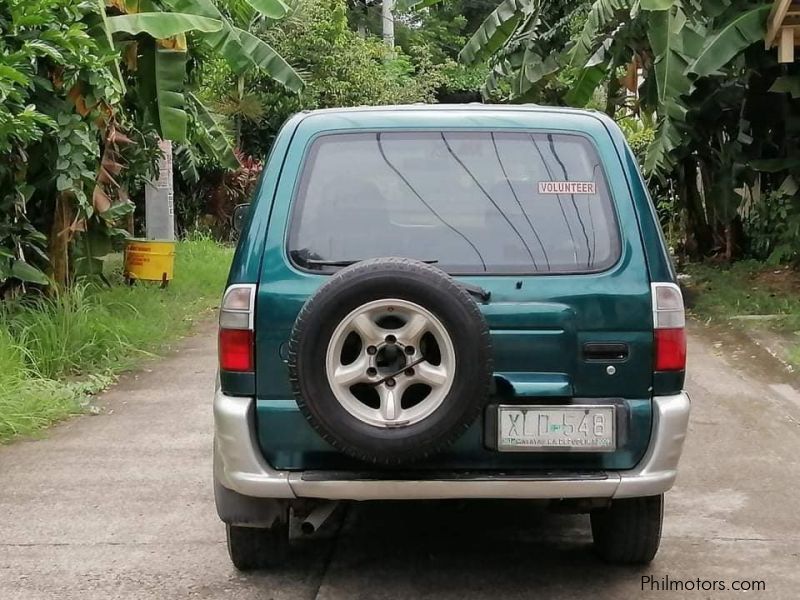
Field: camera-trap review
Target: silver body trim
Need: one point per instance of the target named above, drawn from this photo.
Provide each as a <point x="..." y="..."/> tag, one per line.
<point x="240" y="466"/>
<point x="238" y="462"/>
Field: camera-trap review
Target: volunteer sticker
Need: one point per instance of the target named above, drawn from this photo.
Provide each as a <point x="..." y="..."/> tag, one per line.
<point x="567" y="187"/>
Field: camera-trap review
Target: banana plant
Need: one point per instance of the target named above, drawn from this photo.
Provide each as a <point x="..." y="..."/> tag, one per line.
<point x="497" y="29"/>
<point x="156" y="38"/>
<point x="741" y="32"/>
<point x="675" y="42"/>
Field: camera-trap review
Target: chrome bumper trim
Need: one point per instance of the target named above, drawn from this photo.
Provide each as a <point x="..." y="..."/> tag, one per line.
<point x="238" y="462"/>
<point x="658" y="468"/>
<point x="441" y="489"/>
<point x="239" y="466"/>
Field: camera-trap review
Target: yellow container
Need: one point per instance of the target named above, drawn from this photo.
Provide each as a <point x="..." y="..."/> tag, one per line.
<point x="150" y="260"/>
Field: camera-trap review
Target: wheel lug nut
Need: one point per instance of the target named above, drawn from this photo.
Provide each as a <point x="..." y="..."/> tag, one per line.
<point x="371" y="350"/>
<point x="390" y="339"/>
<point x="409" y="372"/>
<point x="409" y="350"/>
<point x="390" y="382"/>
<point x="372" y="371"/>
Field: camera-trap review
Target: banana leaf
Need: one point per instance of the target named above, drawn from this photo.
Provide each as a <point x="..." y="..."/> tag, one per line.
<point x="406" y="5"/>
<point x="161" y="79"/>
<point x="666" y="40"/>
<point x="657" y="4"/>
<point x="27" y="272"/>
<point x="211" y="136"/>
<point x="744" y="30"/>
<point x="161" y="25"/>
<point x="774" y="165"/>
<point x="583" y="89"/>
<point x="239" y="48"/>
<point x="602" y="15"/>
<point x="98" y="29"/>
<point x="495" y="30"/>
<point x="274" y="9"/>
<point x="668" y="137"/>
<point x="266" y="58"/>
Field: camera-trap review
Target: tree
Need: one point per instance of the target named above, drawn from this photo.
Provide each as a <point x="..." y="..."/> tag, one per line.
<point x="156" y="45"/>
<point x="703" y="74"/>
<point x="86" y="89"/>
<point x="340" y="67"/>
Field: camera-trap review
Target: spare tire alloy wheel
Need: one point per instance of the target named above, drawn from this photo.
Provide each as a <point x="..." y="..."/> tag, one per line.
<point x="390" y="360"/>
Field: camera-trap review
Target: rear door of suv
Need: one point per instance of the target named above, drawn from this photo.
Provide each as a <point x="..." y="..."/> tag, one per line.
<point x="531" y="205"/>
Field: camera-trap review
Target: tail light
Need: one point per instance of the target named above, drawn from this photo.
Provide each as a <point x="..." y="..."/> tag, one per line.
<point x="236" y="335"/>
<point x="669" y="327"/>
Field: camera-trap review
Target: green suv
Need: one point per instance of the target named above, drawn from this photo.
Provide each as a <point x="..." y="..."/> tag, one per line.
<point x="449" y="302"/>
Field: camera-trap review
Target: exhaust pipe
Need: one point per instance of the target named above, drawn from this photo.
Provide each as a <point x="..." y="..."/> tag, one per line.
<point x="317" y="517"/>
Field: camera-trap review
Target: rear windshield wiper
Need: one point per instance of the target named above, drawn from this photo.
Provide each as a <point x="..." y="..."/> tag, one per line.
<point x="481" y="293"/>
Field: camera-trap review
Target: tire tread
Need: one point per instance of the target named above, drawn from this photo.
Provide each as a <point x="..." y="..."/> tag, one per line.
<point x="629" y="531"/>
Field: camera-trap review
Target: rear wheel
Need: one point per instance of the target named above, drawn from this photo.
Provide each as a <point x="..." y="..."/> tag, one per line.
<point x="628" y="531"/>
<point x="252" y="548"/>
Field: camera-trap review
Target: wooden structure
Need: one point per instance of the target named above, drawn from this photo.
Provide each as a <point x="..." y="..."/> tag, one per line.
<point x="782" y="26"/>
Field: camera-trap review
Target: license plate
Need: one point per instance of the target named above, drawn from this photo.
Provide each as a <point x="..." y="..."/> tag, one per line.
<point x="556" y="429"/>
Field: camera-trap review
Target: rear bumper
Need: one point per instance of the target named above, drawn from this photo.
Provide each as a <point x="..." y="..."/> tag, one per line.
<point x="239" y="466"/>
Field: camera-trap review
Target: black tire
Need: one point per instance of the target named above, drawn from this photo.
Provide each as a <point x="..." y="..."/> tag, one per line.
<point x="403" y="279"/>
<point x="629" y="531"/>
<point x="253" y="548"/>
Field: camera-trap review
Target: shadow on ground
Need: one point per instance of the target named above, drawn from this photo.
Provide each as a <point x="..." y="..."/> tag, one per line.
<point x="461" y="550"/>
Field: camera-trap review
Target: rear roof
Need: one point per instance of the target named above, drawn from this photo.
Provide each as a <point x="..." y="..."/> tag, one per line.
<point x="448" y="115"/>
<point x="471" y="106"/>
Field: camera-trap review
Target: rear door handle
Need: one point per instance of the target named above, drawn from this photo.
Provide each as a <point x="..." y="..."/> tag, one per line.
<point x="605" y="351"/>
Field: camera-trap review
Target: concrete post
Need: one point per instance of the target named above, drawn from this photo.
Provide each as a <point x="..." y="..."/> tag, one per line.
<point x="158" y="199"/>
<point x="387" y="17"/>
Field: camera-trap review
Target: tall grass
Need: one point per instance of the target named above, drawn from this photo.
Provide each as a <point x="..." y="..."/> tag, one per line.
<point x="54" y="350"/>
<point x="749" y="287"/>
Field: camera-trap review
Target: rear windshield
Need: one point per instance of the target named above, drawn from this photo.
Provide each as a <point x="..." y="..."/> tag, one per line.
<point x="470" y="202"/>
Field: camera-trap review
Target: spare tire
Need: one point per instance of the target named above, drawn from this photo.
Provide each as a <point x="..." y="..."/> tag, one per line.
<point x="390" y="360"/>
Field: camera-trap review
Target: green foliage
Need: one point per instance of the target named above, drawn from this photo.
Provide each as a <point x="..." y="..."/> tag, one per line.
<point x="274" y="9"/>
<point x="161" y="73"/>
<point x="243" y="50"/>
<point x="741" y="32"/>
<point x="527" y="48"/>
<point x="77" y="152"/>
<point x="498" y="27"/>
<point x="55" y="350"/>
<point x="748" y="287"/>
<point x="773" y="228"/>
<point x="343" y="68"/>
<point x="705" y="83"/>
<point x="604" y="16"/>
<point x="585" y="84"/>
<point x="639" y="135"/>
<point x="46" y="54"/>
<point x="340" y="68"/>
<point x="83" y="95"/>
<point x="437" y="33"/>
<point x="160" y="25"/>
<point x="27" y="401"/>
